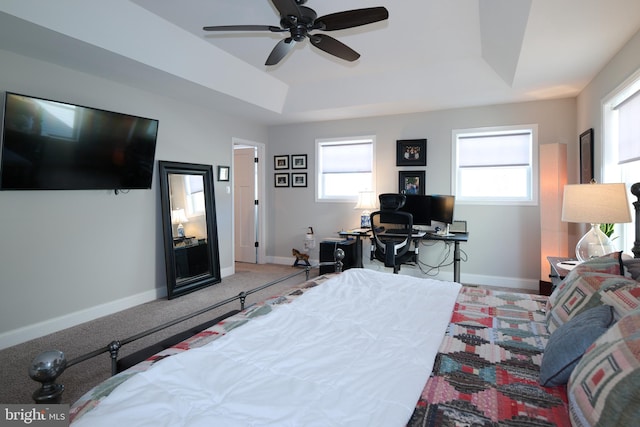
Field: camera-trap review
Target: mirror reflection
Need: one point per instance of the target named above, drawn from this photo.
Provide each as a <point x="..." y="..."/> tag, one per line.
<point x="188" y="226"/>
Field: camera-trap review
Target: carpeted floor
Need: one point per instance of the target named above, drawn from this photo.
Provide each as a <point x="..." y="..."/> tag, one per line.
<point x="17" y="387"/>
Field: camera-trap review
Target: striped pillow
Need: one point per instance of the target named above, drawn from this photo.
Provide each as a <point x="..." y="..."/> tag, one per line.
<point x="603" y="388"/>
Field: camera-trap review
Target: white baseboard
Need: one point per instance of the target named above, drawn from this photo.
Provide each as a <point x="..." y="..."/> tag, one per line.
<point x="40" y="329"/>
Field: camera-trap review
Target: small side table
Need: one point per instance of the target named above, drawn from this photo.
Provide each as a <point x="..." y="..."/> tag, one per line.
<point x="556" y="273"/>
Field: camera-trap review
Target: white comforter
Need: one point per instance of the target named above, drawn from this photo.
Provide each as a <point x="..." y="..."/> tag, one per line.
<point x="355" y="351"/>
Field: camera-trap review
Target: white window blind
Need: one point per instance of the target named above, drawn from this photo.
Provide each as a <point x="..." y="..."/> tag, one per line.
<point x="344" y="168"/>
<point x="629" y="129"/>
<point x="494" y="150"/>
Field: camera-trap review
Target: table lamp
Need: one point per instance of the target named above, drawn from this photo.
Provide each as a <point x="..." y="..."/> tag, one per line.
<point x="366" y="203"/>
<point x="178" y="217"/>
<point x="595" y="204"/>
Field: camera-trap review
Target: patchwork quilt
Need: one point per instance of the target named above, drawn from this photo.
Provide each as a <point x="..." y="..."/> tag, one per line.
<point x="487" y="368"/>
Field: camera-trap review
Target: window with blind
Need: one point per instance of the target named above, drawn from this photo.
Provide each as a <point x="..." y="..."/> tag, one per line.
<point x="621" y="146"/>
<point x="344" y="167"/>
<point x="495" y="165"/>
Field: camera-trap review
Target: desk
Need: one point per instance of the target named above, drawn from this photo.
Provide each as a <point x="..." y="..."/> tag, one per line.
<point x="358" y="234"/>
<point x="455" y="238"/>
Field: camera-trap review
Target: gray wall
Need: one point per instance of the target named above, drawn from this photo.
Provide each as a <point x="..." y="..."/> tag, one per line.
<point x="69" y="256"/>
<point x="504" y="245"/>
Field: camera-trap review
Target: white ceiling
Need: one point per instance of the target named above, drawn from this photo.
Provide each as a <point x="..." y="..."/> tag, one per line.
<point x="429" y="54"/>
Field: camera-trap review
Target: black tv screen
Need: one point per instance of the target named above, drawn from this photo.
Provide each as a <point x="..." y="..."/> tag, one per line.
<point x="442" y="208"/>
<point x="50" y="145"/>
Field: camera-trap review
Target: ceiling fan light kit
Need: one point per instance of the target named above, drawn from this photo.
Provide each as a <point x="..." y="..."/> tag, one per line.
<point x="300" y="20"/>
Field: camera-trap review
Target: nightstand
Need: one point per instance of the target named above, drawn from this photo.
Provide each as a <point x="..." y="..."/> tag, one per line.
<point x="556" y="273"/>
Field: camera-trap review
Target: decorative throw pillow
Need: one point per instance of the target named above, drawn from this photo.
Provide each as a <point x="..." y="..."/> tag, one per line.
<point x="603" y="388"/>
<point x="609" y="264"/>
<point x="623" y="294"/>
<point x="632" y="268"/>
<point x="567" y="345"/>
<point x="585" y="292"/>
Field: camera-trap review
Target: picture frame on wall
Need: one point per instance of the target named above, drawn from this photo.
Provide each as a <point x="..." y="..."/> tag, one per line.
<point x="586" y="156"/>
<point x="411" y="182"/>
<point x="281" y="162"/>
<point x="298" y="161"/>
<point x="223" y="173"/>
<point x="411" y="152"/>
<point x="299" y="179"/>
<point x="281" y="179"/>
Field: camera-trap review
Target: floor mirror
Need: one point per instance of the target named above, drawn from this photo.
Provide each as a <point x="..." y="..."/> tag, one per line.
<point x="189" y="226"/>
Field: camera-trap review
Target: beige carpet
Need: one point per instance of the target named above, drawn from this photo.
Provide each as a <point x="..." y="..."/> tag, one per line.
<point x="17" y="387"/>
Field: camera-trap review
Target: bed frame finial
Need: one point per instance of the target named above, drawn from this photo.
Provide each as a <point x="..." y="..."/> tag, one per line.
<point x="45" y="368"/>
<point x="635" y="190"/>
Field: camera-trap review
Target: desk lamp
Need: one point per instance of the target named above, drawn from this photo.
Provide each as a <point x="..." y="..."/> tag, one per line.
<point x="595" y="204"/>
<point x="366" y="203"/>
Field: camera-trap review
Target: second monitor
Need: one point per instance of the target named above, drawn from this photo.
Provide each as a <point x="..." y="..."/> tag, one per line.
<point x="425" y="209"/>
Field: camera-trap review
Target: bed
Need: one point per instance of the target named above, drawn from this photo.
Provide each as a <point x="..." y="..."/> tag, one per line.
<point x="425" y="353"/>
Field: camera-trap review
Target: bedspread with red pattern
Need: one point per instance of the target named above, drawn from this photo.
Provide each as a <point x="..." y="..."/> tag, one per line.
<point x="486" y="371"/>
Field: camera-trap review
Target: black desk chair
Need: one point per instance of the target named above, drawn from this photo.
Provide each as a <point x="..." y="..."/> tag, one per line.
<point x="392" y="249"/>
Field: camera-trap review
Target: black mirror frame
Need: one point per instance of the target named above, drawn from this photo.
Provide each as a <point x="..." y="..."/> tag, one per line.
<point x="206" y="171"/>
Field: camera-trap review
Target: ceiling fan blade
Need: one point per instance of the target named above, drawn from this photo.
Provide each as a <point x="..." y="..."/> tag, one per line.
<point x="287" y="8"/>
<point x="334" y="47"/>
<point x="351" y="18"/>
<point x="271" y="28"/>
<point x="280" y="51"/>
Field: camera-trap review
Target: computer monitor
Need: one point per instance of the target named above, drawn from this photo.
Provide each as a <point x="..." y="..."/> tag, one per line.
<point x="442" y="208"/>
<point x="419" y="207"/>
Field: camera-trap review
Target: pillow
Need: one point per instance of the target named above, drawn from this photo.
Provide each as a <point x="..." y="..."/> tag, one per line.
<point x="603" y="388"/>
<point x="567" y="345"/>
<point x="577" y="296"/>
<point x="632" y="268"/>
<point x="609" y="264"/>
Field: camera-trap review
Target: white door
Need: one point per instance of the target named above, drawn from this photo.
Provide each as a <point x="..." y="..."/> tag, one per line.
<point x="245" y="208"/>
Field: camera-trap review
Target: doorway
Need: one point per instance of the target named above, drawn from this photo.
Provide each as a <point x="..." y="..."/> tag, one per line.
<point x="248" y="201"/>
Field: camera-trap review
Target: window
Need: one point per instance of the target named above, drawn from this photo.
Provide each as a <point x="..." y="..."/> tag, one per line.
<point x="344" y="167"/>
<point x="194" y="189"/>
<point x="495" y="165"/>
<point x="620" y="148"/>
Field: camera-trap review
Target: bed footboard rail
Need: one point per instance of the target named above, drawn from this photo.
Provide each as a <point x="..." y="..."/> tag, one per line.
<point x="47" y="366"/>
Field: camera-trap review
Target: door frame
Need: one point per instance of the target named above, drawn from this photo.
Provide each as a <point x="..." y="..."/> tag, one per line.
<point x="261" y="187"/>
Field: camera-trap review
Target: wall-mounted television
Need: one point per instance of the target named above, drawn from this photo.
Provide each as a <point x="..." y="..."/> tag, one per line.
<point x="51" y="145"/>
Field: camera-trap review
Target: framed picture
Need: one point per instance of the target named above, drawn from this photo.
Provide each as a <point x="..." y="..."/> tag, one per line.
<point x="223" y="173"/>
<point x="586" y="156"/>
<point x="411" y="182"/>
<point x="281" y="162"/>
<point x="411" y="152"/>
<point x="298" y="161"/>
<point x="299" y="179"/>
<point x="281" y="179"/>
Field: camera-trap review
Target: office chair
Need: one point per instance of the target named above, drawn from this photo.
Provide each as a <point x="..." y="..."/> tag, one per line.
<point x="393" y="250"/>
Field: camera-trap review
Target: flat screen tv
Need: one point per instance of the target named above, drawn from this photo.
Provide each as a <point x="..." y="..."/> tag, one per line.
<point x="50" y="145"/>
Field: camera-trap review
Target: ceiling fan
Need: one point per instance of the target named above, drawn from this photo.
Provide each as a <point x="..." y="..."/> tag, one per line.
<point x="300" y="20"/>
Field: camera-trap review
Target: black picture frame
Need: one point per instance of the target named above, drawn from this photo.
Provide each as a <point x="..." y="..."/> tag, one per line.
<point x="298" y="161"/>
<point x="411" y="152"/>
<point x="281" y="179"/>
<point x="281" y="162"/>
<point x="586" y="156"/>
<point x="299" y="179"/>
<point x="223" y="173"/>
<point x="411" y="182"/>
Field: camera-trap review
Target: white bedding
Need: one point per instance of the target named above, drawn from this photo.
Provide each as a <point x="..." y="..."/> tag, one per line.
<point x="357" y="352"/>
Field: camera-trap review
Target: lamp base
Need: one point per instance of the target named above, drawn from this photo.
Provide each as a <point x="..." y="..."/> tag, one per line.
<point x="594" y="244"/>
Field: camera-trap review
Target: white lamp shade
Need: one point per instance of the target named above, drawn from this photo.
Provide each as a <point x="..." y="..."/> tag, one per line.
<point x="366" y="201"/>
<point x="178" y="216"/>
<point x="596" y="203"/>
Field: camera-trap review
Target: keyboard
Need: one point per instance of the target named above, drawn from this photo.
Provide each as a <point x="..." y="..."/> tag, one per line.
<point x="400" y="231"/>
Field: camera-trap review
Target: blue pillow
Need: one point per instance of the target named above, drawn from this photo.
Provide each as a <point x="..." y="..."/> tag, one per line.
<point x="569" y="342"/>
